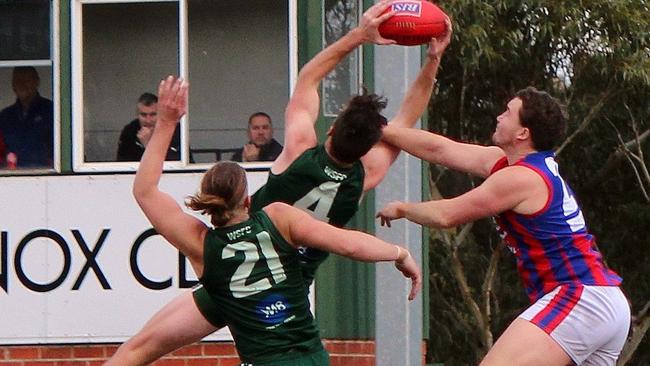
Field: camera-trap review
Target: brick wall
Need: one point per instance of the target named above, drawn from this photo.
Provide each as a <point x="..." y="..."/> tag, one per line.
<point x="342" y="353"/>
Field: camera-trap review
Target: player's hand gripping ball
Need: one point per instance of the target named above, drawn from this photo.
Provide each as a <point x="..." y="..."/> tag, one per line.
<point x="415" y="22"/>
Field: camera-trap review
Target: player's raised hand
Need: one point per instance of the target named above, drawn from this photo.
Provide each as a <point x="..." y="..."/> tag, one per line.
<point x="437" y="45"/>
<point x="172" y="99"/>
<point x="371" y="20"/>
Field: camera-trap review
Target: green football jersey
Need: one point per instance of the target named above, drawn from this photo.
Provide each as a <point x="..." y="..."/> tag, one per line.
<point x="252" y="283"/>
<point x="319" y="186"/>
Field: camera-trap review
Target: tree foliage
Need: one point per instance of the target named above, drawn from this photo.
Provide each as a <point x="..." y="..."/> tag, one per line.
<point x="595" y="57"/>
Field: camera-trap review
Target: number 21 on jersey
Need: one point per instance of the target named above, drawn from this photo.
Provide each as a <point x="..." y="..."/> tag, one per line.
<point x="239" y="285"/>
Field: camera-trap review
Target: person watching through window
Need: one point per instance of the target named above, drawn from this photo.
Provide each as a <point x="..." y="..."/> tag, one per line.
<point x="261" y="145"/>
<point x="27" y="125"/>
<point x="136" y="134"/>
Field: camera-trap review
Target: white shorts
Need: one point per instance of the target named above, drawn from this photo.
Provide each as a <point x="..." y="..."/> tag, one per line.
<point x="591" y="323"/>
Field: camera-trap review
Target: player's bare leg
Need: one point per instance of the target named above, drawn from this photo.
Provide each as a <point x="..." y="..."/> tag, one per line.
<point x="177" y="324"/>
<point x="523" y="344"/>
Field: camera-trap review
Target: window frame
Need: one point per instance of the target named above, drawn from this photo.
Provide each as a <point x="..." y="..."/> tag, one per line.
<point x="358" y="52"/>
<point x="77" y="86"/>
<point x="54" y="63"/>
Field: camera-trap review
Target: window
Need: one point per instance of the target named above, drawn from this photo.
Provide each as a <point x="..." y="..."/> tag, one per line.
<point x="126" y="48"/>
<point x="339" y="17"/>
<point x="238" y="65"/>
<point x="235" y="55"/>
<point x="28" y="65"/>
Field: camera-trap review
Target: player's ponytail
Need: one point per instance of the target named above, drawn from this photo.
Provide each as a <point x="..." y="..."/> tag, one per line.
<point x="223" y="189"/>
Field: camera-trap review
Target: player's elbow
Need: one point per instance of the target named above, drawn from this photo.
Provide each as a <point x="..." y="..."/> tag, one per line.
<point x="141" y="193"/>
<point x="137" y="192"/>
<point x="307" y="78"/>
<point x="445" y="223"/>
<point x="374" y="176"/>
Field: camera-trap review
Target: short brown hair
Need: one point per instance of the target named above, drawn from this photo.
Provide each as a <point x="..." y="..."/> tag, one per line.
<point x="259" y="114"/>
<point x="358" y="127"/>
<point x="148" y="99"/>
<point x="544" y="116"/>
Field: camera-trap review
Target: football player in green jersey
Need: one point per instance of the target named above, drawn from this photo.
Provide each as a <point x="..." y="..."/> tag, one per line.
<point x="328" y="180"/>
<point x="247" y="263"/>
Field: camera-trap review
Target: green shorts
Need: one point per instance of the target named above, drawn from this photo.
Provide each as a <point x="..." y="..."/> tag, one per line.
<point x="212" y="313"/>
<point x="207" y="307"/>
<point x="318" y="358"/>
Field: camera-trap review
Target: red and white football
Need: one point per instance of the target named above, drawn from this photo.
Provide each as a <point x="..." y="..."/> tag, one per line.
<point x="415" y="22"/>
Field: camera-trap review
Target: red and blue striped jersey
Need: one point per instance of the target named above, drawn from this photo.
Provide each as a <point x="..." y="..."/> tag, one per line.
<point x="552" y="246"/>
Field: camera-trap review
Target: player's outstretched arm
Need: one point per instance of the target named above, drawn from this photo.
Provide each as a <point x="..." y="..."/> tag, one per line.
<point x="297" y="226"/>
<point x="514" y="188"/>
<point x="378" y="160"/>
<point x="417" y="97"/>
<point x="433" y="148"/>
<point x="182" y="230"/>
<point x="324" y="62"/>
<point x="302" y="110"/>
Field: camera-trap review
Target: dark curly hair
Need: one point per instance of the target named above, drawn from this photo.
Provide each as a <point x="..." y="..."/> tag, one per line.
<point x="223" y="188"/>
<point x="358" y="127"/>
<point x="544" y="116"/>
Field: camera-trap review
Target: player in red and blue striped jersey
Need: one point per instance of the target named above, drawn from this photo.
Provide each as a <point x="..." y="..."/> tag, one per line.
<point x="578" y="313"/>
<point x="552" y="246"/>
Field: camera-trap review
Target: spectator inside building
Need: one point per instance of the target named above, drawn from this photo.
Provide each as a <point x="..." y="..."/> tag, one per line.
<point x="261" y="145"/>
<point x="27" y="125"/>
<point x="136" y="134"/>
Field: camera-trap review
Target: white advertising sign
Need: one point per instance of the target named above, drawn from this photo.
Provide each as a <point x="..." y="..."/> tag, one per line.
<point x="79" y="261"/>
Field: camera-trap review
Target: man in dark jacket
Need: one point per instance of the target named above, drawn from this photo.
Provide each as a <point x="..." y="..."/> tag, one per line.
<point x="261" y="144"/>
<point x="27" y="125"/>
<point x="136" y="134"/>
